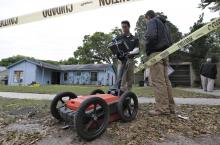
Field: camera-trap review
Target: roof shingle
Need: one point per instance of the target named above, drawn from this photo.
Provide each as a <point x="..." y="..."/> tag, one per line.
<point x="66" y="67"/>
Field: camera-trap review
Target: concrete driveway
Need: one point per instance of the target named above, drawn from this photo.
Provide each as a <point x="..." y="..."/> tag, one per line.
<point x="196" y="90"/>
<point x="190" y="101"/>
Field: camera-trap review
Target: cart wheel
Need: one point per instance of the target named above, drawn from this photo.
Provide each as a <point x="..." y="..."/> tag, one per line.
<point x="92" y="118"/>
<point x="58" y="102"/>
<point x="128" y="106"/>
<point x="97" y="91"/>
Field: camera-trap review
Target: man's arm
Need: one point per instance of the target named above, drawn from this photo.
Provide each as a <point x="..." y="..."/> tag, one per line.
<point x="136" y="49"/>
<point x="169" y="34"/>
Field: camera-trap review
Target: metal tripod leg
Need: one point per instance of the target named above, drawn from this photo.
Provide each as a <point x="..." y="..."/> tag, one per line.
<point x="122" y="71"/>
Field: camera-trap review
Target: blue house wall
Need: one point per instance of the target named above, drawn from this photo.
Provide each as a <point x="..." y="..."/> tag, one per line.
<point x="29" y="73"/>
<point x="33" y="72"/>
<point x="104" y="77"/>
<point x="110" y="76"/>
<point x="46" y="73"/>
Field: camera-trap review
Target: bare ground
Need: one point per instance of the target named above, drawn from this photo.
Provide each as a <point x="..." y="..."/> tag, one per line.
<point x="33" y="124"/>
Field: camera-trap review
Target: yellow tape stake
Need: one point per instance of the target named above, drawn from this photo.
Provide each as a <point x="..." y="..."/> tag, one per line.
<point x="211" y="26"/>
<point x="60" y="11"/>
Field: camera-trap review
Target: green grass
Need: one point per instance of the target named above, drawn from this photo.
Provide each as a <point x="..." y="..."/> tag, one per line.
<point x="11" y="104"/>
<point x="51" y="89"/>
<point x="85" y="90"/>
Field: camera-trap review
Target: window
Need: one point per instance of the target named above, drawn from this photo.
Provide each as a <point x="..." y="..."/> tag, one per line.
<point x="18" y="76"/>
<point x="94" y="76"/>
<point x="65" y="76"/>
<point x="78" y="73"/>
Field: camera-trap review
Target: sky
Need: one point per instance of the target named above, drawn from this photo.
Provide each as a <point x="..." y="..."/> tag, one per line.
<point x="57" y="38"/>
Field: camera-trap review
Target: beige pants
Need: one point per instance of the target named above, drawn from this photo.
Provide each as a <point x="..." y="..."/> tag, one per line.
<point x="162" y="87"/>
<point x="207" y="83"/>
<point x="128" y="77"/>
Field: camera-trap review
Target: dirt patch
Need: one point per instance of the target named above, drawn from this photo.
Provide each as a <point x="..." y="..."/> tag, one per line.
<point x="201" y="140"/>
<point x="24" y="111"/>
<point x="208" y="140"/>
<point x="26" y="128"/>
<point x="146" y="129"/>
<point x="18" y="138"/>
<point x="69" y="137"/>
<point x="21" y="131"/>
<point x="33" y="124"/>
<point x="163" y="130"/>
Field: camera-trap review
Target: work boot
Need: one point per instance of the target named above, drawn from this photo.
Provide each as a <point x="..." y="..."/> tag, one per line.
<point x="157" y="113"/>
<point x="172" y="111"/>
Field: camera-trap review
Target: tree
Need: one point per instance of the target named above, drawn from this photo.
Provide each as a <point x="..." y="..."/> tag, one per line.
<point x="199" y="49"/>
<point x="206" y="3"/>
<point x="214" y="51"/>
<point x="69" y="61"/>
<point x="10" y="60"/>
<point x="140" y="30"/>
<point x="95" y="48"/>
<point x="116" y="32"/>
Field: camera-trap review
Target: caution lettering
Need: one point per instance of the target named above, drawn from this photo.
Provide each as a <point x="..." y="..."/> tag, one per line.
<point x="214" y="25"/>
<point x="111" y="2"/>
<point x="9" y="22"/>
<point x="184" y="42"/>
<point x="57" y="11"/>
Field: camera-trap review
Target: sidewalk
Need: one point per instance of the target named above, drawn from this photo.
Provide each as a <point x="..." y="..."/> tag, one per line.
<point x="190" y="101"/>
<point x="196" y="90"/>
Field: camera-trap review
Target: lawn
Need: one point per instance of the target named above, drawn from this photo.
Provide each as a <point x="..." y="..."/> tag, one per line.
<point x="13" y="104"/>
<point x="84" y="90"/>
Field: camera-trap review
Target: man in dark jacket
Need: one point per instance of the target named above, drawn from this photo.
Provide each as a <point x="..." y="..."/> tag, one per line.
<point x="158" y="39"/>
<point x="208" y="72"/>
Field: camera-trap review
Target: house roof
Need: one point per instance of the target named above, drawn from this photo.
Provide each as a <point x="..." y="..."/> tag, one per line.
<point x="85" y="67"/>
<point x="65" y="67"/>
<point x="38" y="63"/>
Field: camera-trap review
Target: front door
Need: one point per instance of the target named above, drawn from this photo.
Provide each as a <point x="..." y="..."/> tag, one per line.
<point x="55" y="78"/>
<point x="94" y="78"/>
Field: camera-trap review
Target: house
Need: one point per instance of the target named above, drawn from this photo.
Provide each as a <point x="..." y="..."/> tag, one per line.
<point x="27" y="71"/>
<point x="182" y="74"/>
<point x="89" y="74"/>
<point x="3" y="74"/>
<point x="2" y="68"/>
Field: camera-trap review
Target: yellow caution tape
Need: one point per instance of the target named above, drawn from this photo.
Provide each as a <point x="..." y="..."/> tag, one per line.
<point x="60" y="11"/>
<point x="213" y="25"/>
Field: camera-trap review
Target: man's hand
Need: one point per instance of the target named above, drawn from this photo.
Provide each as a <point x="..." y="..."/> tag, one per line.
<point x="131" y="54"/>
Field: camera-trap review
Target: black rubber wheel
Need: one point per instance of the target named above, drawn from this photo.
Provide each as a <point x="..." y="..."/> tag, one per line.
<point x="97" y="91"/>
<point x="59" y="102"/>
<point x="91" y="123"/>
<point x="128" y="106"/>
